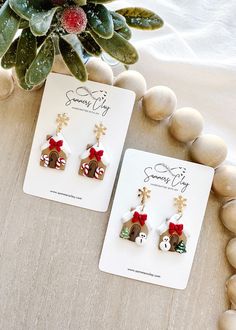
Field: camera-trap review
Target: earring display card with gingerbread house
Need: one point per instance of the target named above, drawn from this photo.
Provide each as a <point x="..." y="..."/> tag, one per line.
<point x="78" y="142"/>
<point x="155" y="241"/>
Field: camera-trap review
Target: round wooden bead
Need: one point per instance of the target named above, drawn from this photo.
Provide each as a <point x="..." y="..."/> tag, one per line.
<point x="6" y="84"/>
<point x="227" y="320"/>
<point x="231" y="289"/>
<point x="224" y="182"/>
<point x="99" y="71"/>
<point x="59" y="66"/>
<point x="209" y="149"/>
<point x="186" y="124"/>
<point x="132" y="80"/>
<point x="228" y="215"/>
<point x="159" y="102"/>
<point x="231" y="252"/>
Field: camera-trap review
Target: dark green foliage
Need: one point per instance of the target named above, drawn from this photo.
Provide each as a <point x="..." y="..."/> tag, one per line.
<point x="26" y="52"/>
<point x="71" y="57"/>
<point x="42" y="35"/>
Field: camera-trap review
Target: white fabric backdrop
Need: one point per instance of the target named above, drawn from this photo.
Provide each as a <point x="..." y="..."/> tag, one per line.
<point x="195" y="54"/>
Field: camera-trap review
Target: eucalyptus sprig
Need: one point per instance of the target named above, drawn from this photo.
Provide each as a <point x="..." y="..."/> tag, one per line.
<point x="75" y="28"/>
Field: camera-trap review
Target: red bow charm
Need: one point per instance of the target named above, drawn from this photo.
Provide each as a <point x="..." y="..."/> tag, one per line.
<point x="175" y="228"/>
<point x="57" y="145"/>
<point x="141" y="218"/>
<point x="97" y="154"/>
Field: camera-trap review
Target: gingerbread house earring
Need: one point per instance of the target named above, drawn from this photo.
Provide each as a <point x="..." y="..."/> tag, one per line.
<point x="135" y="226"/>
<point x="95" y="160"/>
<point x="55" y="151"/>
<point x="173" y="235"/>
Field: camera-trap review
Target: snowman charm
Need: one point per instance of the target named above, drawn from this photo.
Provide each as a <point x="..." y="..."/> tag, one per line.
<point x="165" y="244"/>
<point x="141" y="239"/>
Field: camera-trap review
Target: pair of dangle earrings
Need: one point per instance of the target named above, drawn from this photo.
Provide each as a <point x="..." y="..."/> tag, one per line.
<point x="172" y="235"/>
<point x="55" y="152"/>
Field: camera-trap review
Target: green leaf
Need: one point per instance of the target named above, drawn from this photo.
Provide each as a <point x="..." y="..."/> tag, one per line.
<point x="100" y="20"/>
<point x="118" y="20"/>
<point x="41" y="22"/>
<point x="89" y="44"/>
<point x="118" y="47"/>
<point x="125" y="32"/>
<point x="72" y="59"/>
<point x="80" y="2"/>
<point x="42" y="4"/>
<point x="24" y="24"/>
<point x="26" y="52"/>
<point x="9" y="58"/>
<point x="23" y="8"/>
<point x="9" y="23"/>
<point x="141" y="18"/>
<point x="42" y="64"/>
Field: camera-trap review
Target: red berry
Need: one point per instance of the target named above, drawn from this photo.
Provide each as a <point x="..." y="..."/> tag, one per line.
<point x="74" y="19"/>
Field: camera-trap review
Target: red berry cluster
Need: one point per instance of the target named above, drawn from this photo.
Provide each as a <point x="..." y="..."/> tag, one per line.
<point x="74" y="19"/>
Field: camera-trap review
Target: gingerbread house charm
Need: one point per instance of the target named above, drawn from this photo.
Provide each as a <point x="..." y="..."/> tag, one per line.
<point x="54" y="152"/>
<point x="173" y="235"/>
<point x="94" y="162"/>
<point x="135" y="227"/>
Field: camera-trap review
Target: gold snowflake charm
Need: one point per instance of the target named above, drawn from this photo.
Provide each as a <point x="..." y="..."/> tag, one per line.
<point x="144" y="194"/>
<point x="62" y="120"/>
<point x="180" y="202"/>
<point x="99" y="130"/>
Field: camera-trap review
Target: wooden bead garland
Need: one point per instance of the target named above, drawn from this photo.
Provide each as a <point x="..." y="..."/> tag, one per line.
<point x="228" y="215"/>
<point x="224" y="183"/>
<point x="209" y="149"/>
<point x="231" y="289"/>
<point x="227" y="320"/>
<point x="159" y="102"/>
<point x="186" y="124"/>
<point x="231" y="252"/>
<point x="99" y="71"/>
<point x="132" y="80"/>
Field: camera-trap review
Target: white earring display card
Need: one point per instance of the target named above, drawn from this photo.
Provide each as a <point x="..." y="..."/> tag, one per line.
<point x="171" y="182"/>
<point x="86" y="104"/>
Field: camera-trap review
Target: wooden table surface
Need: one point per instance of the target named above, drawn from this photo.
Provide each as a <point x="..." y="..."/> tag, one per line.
<point x="49" y="252"/>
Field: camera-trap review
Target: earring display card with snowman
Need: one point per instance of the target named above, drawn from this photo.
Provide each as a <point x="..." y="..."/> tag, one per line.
<point x="78" y="142"/>
<point x="156" y="219"/>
